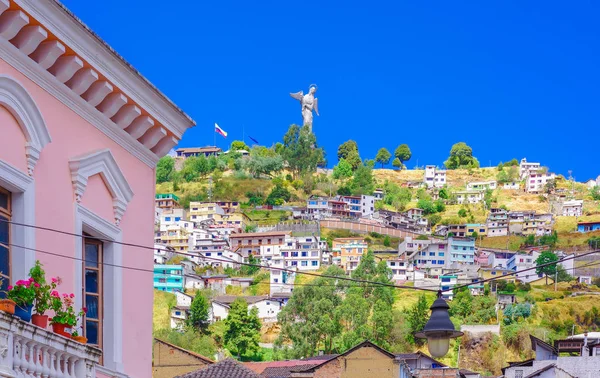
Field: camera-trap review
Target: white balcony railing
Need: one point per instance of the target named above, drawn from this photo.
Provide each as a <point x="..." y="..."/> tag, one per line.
<point x="30" y="351"/>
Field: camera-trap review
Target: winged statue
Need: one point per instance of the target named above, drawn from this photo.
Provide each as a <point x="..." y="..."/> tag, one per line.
<point x="308" y="102"/>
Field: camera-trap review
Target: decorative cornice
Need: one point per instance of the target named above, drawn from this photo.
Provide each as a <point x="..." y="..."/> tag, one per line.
<point x="101" y="162"/>
<point x="21" y="105"/>
<point x="69" y="29"/>
<point x="15" y="177"/>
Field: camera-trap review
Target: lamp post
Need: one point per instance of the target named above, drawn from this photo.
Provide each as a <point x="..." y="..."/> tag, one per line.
<point x="439" y="329"/>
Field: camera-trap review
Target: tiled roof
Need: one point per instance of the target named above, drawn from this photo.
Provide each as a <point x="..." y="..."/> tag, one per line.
<point x="260" y="234"/>
<point x="199" y="356"/>
<point x="228" y="368"/>
<point x="285" y="371"/>
<point x="260" y="367"/>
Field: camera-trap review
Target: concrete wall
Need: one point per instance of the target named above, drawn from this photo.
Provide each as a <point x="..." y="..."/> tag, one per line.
<point x="169" y="362"/>
<point x="479" y="329"/>
<point x="363" y="228"/>
<point x="361" y="363"/>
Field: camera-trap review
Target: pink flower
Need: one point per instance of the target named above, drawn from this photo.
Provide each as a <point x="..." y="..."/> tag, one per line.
<point x="10" y="287"/>
<point x="20" y="283"/>
<point x="31" y="279"/>
<point x="54" y="280"/>
<point x="72" y="295"/>
<point x="37" y="285"/>
<point x="55" y="294"/>
<point x="65" y="295"/>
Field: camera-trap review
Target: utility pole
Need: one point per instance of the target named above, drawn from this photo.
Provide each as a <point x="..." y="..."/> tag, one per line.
<point x="555" y="277"/>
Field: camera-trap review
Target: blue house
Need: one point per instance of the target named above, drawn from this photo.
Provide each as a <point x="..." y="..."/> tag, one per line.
<point x="462" y="250"/>
<point x="588" y="226"/>
<point x="168" y="277"/>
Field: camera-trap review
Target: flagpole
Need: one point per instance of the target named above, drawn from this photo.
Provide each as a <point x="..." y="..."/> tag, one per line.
<point x="215" y="137"/>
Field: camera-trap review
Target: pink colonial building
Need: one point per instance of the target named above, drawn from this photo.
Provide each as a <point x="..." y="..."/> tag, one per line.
<point x="81" y="132"/>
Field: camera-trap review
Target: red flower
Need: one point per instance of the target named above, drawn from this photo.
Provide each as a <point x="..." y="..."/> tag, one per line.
<point x="84" y="309"/>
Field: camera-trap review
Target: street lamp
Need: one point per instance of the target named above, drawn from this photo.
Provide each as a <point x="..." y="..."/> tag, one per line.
<point x="439" y="329"/>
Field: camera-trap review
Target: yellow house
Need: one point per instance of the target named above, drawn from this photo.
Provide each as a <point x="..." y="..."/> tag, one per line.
<point x="488" y="273"/>
<point x="200" y="211"/>
<point x="347" y="252"/>
<point x="364" y="360"/>
<point x="170" y="360"/>
<point x="237" y="220"/>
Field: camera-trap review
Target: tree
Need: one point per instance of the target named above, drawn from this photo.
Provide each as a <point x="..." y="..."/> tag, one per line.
<point x="544" y="258"/>
<point x="562" y="275"/>
<point x="243" y="329"/>
<point x="403" y="153"/>
<point x="550" y="186"/>
<point x="346" y="148"/>
<point x="461" y="156"/>
<point x="198" y="317"/>
<point x="462" y="213"/>
<point x="362" y="182"/>
<point x="259" y="165"/>
<point x="164" y="169"/>
<point x="278" y="196"/>
<point x="427" y="206"/>
<point x="238" y="145"/>
<point x="300" y="150"/>
<point x="397" y="163"/>
<point x="443" y="194"/>
<point x="387" y="241"/>
<point x="595" y="193"/>
<point x="417" y="317"/>
<point x="194" y="168"/>
<point x="383" y="156"/>
<point x="342" y="170"/>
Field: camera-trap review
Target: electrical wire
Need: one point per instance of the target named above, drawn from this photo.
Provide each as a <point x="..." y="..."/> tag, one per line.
<point x="272" y="268"/>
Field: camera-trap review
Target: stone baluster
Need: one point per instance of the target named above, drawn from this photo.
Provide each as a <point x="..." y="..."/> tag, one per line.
<point x="30" y="348"/>
<point x="46" y="360"/>
<point x="52" y="363"/>
<point x="36" y="369"/>
<point x="39" y="359"/>
<point x="72" y="362"/>
<point x="59" y="365"/>
<point x="17" y="357"/>
<point x="22" y="366"/>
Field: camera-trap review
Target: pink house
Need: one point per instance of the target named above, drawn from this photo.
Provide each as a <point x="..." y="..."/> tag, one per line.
<point x="81" y="132"/>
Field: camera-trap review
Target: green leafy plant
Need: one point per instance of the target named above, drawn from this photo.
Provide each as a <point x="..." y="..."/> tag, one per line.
<point x="42" y="289"/>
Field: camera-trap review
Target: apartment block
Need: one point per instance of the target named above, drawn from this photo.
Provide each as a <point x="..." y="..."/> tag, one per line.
<point x="573" y="208"/>
<point x="229" y="206"/>
<point x="434" y="177"/>
<point x="166" y="201"/>
<point x="237" y="221"/>
<point x="497" y="223"/>
<point x="250" y="243"/>
<point x="525" y="168"/>
<point x="462" y="250"/>
<point x="520" y="261"/>
<point x="202" y="211"/>
<point x="434" y="255"/>
<point x="347" y="252"/>
<point x="536" y="181"/>
<point x="168" y="277"/>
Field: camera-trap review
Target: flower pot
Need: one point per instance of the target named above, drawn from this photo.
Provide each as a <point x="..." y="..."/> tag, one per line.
<point x="7" y="305"/>
<point x="80" y="339"/>
<point x="40" y="320"/>
<point x="62" y="329"/>
<point x="24" y="312"/>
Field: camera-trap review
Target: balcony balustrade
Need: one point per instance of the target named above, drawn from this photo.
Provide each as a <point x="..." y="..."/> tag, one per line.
<point x="30" y="351"/>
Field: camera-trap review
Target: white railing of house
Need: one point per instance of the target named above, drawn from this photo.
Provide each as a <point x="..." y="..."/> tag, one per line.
<point x="30" y="351"/>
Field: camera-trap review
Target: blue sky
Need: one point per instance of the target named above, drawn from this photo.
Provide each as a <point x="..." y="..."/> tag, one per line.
<point x="512" y="79"/>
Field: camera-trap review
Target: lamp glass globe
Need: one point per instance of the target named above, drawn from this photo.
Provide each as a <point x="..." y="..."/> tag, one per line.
<point x="438" y="347"/>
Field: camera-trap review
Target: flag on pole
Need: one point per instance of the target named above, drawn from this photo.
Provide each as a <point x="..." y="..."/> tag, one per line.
<point x="252" y="139"/>
<point x="220" y="131"/>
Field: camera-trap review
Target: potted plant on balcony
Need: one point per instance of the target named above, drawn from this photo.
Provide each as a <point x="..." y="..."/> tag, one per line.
<point x="80" y="339"/>
<point x="7" y="305"/>
<point x="64" y="315"/>
<point x="23" y="294"/>
<point x="42" y="294"/>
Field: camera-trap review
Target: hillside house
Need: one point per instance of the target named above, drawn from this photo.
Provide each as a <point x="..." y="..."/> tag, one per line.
<point x="447" y="283"/>
<point x="414" y="213"/>
<point x="524" y="261"/>
<point x="317" y="207"/>
<point x="229" y="206"/>
<point x="378" y="194"/>
<point x="411" y="220"/>
<point x="434" y="177"/>
<point x="497" y="223"/>
<point x="175" y="235"/>
<point x="268" y="308"/>
<point x="461" y="250"/>
<point x="235" y="221"/>
<point x="168" y="277"/>
<point x="588" y="226"/>
<point x="180" y="312"/>
<point x="299" y="253"/>
<point x="482" y="185"/>
<point x="434" y="255"/>
<point x="170" y="360"/>
<point x="572" y="208"/>
<point x="489" y="273"/>
<point x="411" y="245"/>
<point x="359" y="206"/>
<point x="511" y="186"/>
<point x="161" y="254"/>
<point x="201" y="211"/>
<point x="480" y="229"/>
<point x="504" y="299"/>
<point x="197" y="152"/>
<point x="525" y="168"/>
<point x="166" y="201"/>
<point x="401" y="271"/>
<point x="250" y="243"/>
<point x="535" y="182"/>
<point x="347" y="252"/>
<point x="469" y="196"/>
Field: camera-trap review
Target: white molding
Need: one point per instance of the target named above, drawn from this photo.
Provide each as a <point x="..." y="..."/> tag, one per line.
<point x="32" y="70"/>
<point x="110" y="373"/>
<point x="22" y="188"/>
<point x="101" y="162"/>
<point x="112" y="331"/>
<point x="20" y="104"/>
<point x="71" y="31"/>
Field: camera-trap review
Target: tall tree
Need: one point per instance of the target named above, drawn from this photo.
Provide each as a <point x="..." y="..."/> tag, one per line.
<point x="383" y="156"/>
<point x="362" y="182"/>
<point x="300" y="150"/>
<point x="342" y="170"/>
<point x="238" y="145"/>
<point x="461" y="156"/>
<point x="243" y="329"/>
<point x="349" y="152"/>
<point x="397" y="163"/>
<point x="164" y="169"/>
<point x="403" y="153"/>
<point x="544" y="258"/>
<point x="194" y="168"/>
<point x="198" y="317"/>
<point x="417" y="318"/>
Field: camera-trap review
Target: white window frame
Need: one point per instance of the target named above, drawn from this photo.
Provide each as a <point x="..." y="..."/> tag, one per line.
<point x="22" y="188"/>
<point x="112" y="329"/>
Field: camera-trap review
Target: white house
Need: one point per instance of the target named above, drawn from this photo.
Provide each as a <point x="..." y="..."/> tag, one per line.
<point x="512" y="185"/>
<point x="482" y="185"/>
<point x="525" y="168"/>
<point x="434" y="178"/>
<point x="268" y="308"/>
<point x="573" y="208"/>
<point x="161" y="254"/>
<point x="179" y="313"/>
<point x="536" y="181"/>
<point x="469" y="196"/>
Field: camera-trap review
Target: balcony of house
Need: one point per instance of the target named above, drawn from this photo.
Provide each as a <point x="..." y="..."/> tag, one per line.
<point x="30" y="351"/>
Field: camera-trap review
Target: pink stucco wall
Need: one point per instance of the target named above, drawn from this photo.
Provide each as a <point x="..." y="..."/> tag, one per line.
<point x="72" y="136"/>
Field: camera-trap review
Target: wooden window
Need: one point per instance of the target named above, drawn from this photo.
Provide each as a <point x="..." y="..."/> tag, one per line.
<point x="92" y="291"/>
<point x="5" y="214"/>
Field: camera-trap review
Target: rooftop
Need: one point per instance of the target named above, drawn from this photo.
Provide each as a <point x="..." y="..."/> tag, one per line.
<point x="228" y="368"/>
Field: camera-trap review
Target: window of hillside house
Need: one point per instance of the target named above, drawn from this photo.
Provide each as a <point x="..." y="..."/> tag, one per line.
<point x="5" y="214"/>
<point x="92" y="290"/>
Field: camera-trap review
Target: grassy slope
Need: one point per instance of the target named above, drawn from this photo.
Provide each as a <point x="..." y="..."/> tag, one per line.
<point x="161" y="317"/>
